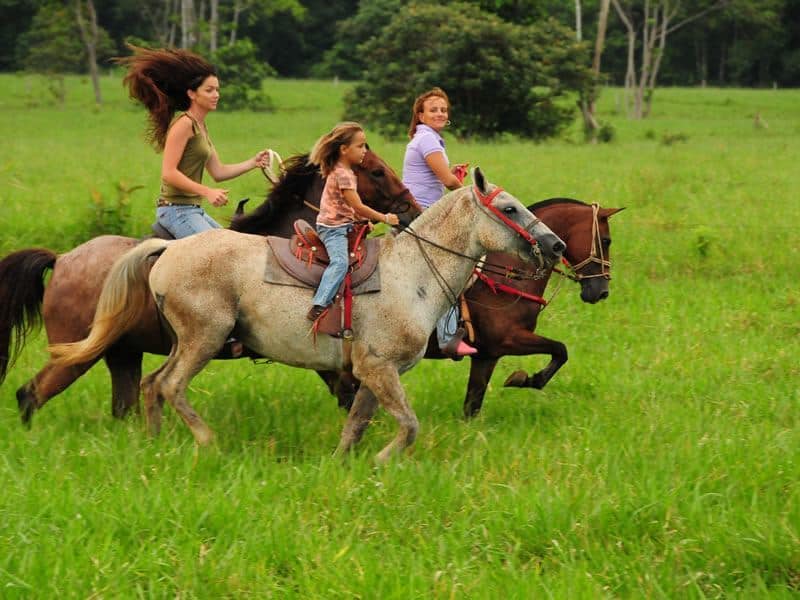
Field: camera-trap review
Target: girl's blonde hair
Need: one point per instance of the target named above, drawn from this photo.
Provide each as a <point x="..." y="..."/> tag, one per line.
<point x="436" y="92"/>
<point x="325" y="153"/>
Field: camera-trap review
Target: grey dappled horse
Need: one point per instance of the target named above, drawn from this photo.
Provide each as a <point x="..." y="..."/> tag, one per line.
<point x="206" y="284"/>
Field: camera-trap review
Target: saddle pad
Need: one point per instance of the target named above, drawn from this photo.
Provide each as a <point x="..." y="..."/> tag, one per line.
<point x="284" y="268"/>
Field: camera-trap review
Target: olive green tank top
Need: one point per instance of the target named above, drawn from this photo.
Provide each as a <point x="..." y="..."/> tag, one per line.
<point x="195" y="156"/>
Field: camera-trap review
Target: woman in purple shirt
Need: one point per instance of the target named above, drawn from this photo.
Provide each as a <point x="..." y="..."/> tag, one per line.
<point x="426" y="173"/>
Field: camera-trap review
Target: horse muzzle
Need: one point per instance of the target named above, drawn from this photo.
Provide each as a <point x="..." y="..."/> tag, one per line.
<point x="594" y="290"/>
<point x="550" y="246"/>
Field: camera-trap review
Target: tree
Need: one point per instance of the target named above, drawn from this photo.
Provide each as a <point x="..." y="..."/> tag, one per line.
<point x="90" y="34"/>
<point x="53" y="46"/>
<point x="501" y="78"/>
<point x="659" y="18"/>
<point x="588" y="101"/>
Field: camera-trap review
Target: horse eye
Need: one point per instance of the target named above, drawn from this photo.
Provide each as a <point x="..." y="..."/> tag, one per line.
<point x="378" y="173"/>
<point x="510" y="210"/>
<point x="606" y="242"/>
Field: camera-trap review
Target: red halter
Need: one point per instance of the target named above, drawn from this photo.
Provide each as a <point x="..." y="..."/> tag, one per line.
<point x="487" y="202"/>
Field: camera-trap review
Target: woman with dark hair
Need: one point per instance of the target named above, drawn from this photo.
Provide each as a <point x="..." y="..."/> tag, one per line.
<point x="426" y="173"/>
<point x="179" y="88"/>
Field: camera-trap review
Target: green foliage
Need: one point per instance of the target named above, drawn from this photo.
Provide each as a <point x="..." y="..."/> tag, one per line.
<point x="53" y="43"/>
<point x="344" y="59"/>
<point x="606" y="133"/>
<point x="241" y="74"/>
<point x="110" y="217"/>
<point x="501" y="78"/>
<point x="703" y="241"/>
<point x="668" y="139"/>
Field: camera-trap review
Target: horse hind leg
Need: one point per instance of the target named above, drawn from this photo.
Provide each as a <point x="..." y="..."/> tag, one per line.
<point x="172" y="380"/>
<point x="126" y="372"/>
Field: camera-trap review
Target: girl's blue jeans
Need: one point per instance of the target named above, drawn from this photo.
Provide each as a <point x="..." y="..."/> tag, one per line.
<point x="335" y="240"/>
<point x="183" y="221"/>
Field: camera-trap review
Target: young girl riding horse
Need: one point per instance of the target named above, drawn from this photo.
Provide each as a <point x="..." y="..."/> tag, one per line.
<point x="336" y="153"/>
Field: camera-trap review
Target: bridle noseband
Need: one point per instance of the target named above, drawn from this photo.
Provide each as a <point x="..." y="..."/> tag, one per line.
<point x="486" y="202"/>
<point x="594" y="257"/>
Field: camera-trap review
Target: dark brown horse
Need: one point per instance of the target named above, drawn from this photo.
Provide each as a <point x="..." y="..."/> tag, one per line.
<point x="504" y="309"/>
<point x="505" y="321"/>
<point x="68" y="302"/>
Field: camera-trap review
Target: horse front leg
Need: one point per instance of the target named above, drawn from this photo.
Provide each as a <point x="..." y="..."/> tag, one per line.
<point x="358" y="419"/>
<point x="384" y="382"/>
<point x="528" y="344"/>
<point x="480" y="372"/>
<point x="126" y="372"/>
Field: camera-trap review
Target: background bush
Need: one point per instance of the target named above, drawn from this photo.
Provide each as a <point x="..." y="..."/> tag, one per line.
<point x="501" y="78"/>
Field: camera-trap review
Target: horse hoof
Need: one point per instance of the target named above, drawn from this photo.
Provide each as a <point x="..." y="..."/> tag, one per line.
<point x="27" y="405"/>
<point x="516" y="379"/>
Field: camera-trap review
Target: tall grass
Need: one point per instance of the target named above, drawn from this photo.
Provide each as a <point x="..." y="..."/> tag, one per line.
<point x="662" y="461"/>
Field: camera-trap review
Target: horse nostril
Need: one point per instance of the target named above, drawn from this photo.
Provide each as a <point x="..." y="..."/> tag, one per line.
<point x="603" y="295"/>
<point x="559" y="247"/>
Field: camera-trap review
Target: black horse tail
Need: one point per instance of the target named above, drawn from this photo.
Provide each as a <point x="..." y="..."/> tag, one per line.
<point x="21" y="293"/>
<point x="122" y="302"/>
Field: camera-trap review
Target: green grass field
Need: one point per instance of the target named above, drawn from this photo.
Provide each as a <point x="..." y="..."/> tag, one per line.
<point x="663" y="461"/>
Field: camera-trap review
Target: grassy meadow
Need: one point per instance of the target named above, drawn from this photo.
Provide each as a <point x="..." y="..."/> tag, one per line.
<point x="663" y="461"/>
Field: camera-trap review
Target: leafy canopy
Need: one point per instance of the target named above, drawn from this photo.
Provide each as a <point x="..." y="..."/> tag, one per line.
<point x="501" y="77"/>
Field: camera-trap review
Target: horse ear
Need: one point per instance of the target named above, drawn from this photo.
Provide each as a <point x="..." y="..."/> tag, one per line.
<point x="240" y="206"/>
<point x="608" y="212"/>
<point x="479" y="179"/>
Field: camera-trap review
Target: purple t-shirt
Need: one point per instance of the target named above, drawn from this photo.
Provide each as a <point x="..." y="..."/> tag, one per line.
<point x="417" y="175"/>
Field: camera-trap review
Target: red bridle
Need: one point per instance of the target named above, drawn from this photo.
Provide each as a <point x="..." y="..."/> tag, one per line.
<point x="487" y="202"/>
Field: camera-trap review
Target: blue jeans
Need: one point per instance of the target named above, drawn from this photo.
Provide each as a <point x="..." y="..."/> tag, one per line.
<point x="446" y="326"/>
<point x="335" y="240"/>
<point x="183" y="221"/>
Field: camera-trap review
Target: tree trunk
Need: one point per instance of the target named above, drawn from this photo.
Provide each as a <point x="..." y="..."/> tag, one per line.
<point x="237" y="10"/>
<point x="187" y="24"/>
<point x="599" y="46"/>
<point x="213" y="26"/>
<point x="655" y="29"/>
<point x="90" y="41"/>
<point x="630" y="71"/>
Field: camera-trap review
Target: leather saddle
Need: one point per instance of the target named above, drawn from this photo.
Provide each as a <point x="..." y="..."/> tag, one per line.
<point x="304" y="257"/>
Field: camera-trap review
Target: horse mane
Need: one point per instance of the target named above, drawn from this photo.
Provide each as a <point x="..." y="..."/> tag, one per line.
<point x="284" y="197"/>
<point x="552" y="201"/>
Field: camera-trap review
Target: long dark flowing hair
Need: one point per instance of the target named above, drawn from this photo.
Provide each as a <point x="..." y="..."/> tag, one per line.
<point x="159" y="78"/>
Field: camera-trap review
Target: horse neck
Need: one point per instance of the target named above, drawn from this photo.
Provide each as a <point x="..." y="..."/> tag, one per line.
<point x="281" y="222"/>
<point x="448" y="223"/>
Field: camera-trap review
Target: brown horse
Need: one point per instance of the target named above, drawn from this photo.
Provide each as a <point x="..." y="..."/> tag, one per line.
<point x="68" y="302"/>
<point x="505" y="302"/>
<point x="505" y="320"/>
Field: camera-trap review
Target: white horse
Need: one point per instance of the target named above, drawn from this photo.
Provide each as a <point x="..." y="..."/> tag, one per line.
<point x="207" y="284"/>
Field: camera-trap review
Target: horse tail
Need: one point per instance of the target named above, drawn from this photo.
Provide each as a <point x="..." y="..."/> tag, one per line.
<point x="121" y="305"/>
<point x="21" y="293"/>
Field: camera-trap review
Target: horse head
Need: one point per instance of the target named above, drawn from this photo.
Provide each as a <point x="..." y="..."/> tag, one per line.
<point x="585" y="229"/>
<point x="534" y="241"/>
<point x="381" y="188"/>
